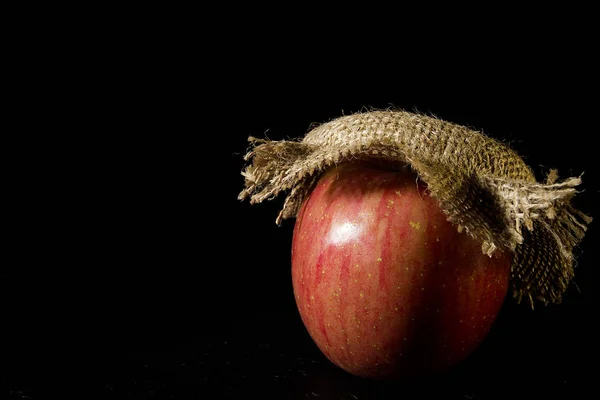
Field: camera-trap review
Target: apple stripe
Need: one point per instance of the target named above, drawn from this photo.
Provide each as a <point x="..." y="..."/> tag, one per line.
<point x="382" y="281"/>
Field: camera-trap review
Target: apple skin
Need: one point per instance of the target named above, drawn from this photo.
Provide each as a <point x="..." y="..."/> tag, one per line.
<point x="387" y="287"/>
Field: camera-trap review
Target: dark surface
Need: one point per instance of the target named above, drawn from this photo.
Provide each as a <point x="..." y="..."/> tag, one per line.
<point x="269" y="355"/>
<point x="136" y="273"/>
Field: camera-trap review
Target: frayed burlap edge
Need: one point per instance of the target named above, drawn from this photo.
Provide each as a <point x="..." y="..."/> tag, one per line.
<point x="481" y="184"/>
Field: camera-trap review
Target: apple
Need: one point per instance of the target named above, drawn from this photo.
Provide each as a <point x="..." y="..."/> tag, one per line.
<point x="386" y="287"/>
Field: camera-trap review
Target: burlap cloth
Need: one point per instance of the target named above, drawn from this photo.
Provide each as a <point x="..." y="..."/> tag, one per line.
<point x="483" y="186"/>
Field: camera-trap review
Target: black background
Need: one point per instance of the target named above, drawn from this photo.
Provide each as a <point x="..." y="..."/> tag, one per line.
<point x="137" y="272"/>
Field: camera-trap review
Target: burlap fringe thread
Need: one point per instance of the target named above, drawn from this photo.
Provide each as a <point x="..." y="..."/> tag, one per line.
<point x="483" y="186"/>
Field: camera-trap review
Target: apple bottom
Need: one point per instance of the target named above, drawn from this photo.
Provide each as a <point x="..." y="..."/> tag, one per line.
<point x="386" y="287"/>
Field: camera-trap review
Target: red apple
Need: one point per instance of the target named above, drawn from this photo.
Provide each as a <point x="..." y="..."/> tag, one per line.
<point x="385" y="285"/>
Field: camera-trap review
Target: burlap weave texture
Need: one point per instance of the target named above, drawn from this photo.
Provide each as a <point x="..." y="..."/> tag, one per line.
<point x="483" y="186"/>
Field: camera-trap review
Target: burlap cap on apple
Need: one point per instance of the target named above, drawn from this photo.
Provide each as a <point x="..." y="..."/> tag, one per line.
<point x="484" y="187"/>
